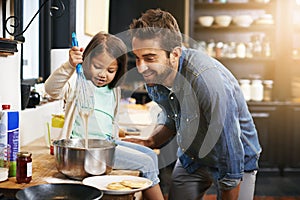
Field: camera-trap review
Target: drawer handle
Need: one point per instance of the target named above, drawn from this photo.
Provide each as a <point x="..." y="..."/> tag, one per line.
<point x="260" y="115"/>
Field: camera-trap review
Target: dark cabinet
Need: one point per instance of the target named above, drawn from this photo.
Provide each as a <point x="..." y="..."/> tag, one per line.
<point x="278" y="129"/>
<point x="292" y="134"/>
<point x="269" y="134"/>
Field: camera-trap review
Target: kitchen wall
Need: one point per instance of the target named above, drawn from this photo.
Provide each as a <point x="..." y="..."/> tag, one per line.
<point x="32" y="121"/>
<point x="9" y="74"/>
<point x="10" y="81"/>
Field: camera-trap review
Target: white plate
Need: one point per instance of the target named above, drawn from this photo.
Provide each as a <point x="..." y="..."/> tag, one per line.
<point x="101" y="182"/>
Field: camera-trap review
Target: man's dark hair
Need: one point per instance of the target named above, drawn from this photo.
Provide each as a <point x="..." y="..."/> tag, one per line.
<point x="156" y="23"/>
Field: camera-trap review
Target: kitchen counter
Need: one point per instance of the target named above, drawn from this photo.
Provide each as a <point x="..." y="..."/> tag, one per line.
<point x="44" y="171"/>
<point x="43" y="165"/>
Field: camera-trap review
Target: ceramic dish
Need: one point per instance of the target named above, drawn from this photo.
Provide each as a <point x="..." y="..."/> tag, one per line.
<point x="206" y="21"/>
<point x="101" y="183"/>
<point x="3" y="174"/>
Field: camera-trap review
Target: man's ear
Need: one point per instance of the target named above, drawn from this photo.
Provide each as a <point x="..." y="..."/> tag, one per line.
<point x="175" y="54"/>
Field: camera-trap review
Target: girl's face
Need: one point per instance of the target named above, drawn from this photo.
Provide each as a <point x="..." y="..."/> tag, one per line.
<point x="103" y="69"/>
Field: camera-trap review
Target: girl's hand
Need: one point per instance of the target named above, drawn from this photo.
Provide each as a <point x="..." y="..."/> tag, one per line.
<point x="75" y="56"/>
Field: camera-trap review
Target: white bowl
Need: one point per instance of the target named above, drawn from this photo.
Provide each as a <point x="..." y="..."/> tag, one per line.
<point x="206" y="20"/>
<point x="243" y="20"/>
<point x="223" y="20"/>
<point x="262" y="1"/>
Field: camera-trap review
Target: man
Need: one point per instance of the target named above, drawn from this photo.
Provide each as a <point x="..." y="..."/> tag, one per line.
<point x="202" y="105"/>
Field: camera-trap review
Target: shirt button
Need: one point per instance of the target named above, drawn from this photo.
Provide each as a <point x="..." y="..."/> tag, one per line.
<point x="171" y="97"/>
<point x="187" y="120"/>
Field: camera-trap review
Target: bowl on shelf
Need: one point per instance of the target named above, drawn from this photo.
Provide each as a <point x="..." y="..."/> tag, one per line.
<point x="223" y="20"/>
<point x="206" y="20"/>
<point x="243" y="20"/>
<point x="265" y="19"/>
<point x="262" y="1"/>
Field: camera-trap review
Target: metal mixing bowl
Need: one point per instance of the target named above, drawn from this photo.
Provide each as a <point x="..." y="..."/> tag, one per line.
<point x="72" y="158"/>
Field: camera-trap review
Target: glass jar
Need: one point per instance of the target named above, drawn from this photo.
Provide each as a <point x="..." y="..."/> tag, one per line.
<point x="266" y="47"/>
<point x="219" y="47"/>
<point x="249" y="50"/>
<point x="268" y="85"/>
<point x="24" y="167"/>
<point x="232" y="50"/>
<point x="257" y="47"/>
<point x="246" y="89"/>
<point x="241" y="50"/>
<point x="210" y="48"/>
<point x="257" y="90"/>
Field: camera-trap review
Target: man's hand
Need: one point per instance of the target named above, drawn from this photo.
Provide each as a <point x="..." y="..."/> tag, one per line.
<point x="160" y="135"/>
<point x="143" y="142"/>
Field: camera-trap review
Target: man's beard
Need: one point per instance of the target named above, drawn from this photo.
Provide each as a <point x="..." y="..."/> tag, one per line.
<point x="162" y="77"/>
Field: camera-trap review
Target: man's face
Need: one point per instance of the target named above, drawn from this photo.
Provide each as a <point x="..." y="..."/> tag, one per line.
<point x="153" y="62"/>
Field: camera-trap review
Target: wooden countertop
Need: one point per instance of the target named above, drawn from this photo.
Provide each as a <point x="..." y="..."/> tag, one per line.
<point x="43" y="165"/>
<point x="43" y="169"/>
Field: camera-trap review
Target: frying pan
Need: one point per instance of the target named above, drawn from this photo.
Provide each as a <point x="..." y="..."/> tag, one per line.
<point x="59" y="191"/>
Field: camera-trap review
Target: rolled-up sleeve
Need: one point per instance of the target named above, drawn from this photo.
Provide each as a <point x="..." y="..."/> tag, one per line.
<point x="163" y="119"/>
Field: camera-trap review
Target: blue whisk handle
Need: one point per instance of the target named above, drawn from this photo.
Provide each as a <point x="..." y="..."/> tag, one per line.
<point x="74" y="40"/>
<point x="75" y="43"/>
<point x="79" y="69"/>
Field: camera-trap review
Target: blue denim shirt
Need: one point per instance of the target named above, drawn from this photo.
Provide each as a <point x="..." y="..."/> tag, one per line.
<point x="206" y="107"/>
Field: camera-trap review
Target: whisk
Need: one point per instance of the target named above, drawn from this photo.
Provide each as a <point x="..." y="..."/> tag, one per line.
<point x="84" y="92"/>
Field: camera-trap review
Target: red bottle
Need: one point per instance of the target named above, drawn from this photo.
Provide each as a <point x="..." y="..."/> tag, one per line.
<point x="24" y="167"/>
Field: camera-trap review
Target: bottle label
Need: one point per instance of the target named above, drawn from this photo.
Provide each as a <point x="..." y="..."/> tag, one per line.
<point x="29" y="169"/>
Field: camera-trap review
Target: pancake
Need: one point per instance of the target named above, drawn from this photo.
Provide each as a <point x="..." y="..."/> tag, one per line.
<point x="117" y="186"/>
<point x="133" y="183"/>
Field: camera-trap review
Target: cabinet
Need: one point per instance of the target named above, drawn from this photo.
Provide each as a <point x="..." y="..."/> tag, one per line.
<point x="283" y="38"/>
<point x="270" y="134"/>
<point x="292" y="148"/>
<point x="277" y="124"/>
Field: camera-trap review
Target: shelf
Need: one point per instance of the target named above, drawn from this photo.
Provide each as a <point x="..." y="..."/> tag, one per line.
<point x="254" y="27"/>
<point x="233" y="6"/>
<point x="7" y="47"/>
<point x="256" y="59"/>
<point x="283" y="35"/>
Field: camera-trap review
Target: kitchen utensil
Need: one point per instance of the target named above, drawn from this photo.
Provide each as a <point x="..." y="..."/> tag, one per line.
<point x="101" y="183"/>
<point x="59" y="191"/>
<point x="25" y="92"/>
<point x="71" y="157"/>
<point x="99" y="160"/>
<point x="84" y="91"/>
<point x="34" y="99"/>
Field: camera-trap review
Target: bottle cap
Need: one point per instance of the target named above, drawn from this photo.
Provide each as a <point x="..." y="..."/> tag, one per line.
<point x="5" y="107"/>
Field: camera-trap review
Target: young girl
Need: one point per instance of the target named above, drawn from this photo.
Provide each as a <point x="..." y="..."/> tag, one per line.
<point x="104" y="62"/>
